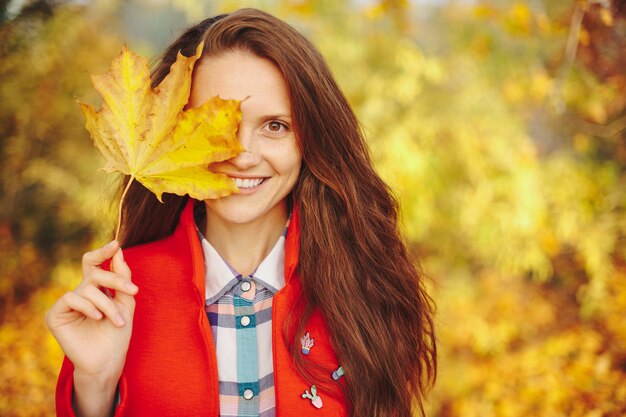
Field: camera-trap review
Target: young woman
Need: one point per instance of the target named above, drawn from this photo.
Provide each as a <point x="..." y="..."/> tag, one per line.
<point x="294" y="297"/>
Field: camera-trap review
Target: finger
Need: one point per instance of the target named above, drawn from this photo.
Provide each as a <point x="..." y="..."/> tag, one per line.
<point x="111" y="280"/>
<point x="70" y="302"/>
<point x="102" y="303"/>
<point x="119" y="265"/>
<point x="98" y="256"/>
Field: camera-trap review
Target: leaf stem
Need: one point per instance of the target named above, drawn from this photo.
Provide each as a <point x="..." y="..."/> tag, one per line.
<point x="119" y="215"/>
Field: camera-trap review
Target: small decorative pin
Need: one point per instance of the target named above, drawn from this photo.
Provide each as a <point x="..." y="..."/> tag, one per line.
<point x="338" y="373"/>
<point x="315" y="399"/>
<point x="307" y="343"/>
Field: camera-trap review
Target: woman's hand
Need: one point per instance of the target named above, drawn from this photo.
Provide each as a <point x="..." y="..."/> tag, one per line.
<point x="94" y="328"/>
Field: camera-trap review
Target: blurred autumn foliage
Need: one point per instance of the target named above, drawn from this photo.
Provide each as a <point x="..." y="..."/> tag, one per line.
<point x="500" y="124"/>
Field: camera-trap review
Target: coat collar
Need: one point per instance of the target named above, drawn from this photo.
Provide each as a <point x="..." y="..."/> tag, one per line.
<point x="186" y="232"/>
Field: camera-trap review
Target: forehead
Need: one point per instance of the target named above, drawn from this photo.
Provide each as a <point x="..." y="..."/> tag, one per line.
<point x="243" y="76"/>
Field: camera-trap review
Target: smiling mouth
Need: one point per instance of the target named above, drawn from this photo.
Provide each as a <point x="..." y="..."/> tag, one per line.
<point x="248" y="183"/>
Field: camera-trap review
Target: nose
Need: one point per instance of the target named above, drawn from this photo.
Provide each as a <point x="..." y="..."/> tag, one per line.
<point x="250" y="157"/>
<point x="245" y="160"/>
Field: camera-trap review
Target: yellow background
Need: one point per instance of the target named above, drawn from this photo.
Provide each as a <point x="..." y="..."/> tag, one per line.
<point x="499" y="125"/>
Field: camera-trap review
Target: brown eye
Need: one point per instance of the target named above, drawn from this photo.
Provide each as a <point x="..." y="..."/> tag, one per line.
<point x="274" y="126"/>
<point x="276" y="129"/>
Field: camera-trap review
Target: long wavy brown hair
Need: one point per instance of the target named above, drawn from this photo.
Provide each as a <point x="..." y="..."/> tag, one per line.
<point x="353" y="264"/>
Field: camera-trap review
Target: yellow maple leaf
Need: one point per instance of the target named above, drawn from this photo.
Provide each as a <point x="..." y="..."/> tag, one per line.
<point x="146" y="133"/>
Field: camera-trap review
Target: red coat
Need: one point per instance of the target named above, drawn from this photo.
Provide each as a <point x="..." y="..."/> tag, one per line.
<point x="171" y="367"/>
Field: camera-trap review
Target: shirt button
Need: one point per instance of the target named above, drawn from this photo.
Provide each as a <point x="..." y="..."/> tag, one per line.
<point x="245" y="320"/>
<point x="245" y="286"/>
<point x="248" y="394"/>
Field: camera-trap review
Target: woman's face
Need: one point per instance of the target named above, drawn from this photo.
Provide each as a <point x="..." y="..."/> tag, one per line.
<point x="267" y="171"/>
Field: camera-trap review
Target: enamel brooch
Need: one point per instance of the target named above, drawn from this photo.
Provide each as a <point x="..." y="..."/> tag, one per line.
<point x="307" y="343"/>
<point x="315" y="399"/>
<point x="338" y="373"/>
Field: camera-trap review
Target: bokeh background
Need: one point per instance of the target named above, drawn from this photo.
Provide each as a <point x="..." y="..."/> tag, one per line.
<point x="500" y="124"/>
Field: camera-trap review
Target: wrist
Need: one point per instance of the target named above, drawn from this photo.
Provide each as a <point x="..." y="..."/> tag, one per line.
<point x="98" y="380"/>
<point x="94" y="394"/>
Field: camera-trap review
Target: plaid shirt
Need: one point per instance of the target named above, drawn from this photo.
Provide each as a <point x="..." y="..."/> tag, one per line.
<point x="239" y="309"/>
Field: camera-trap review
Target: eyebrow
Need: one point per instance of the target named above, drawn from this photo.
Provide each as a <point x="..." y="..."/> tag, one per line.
<point x="276" y="116"/>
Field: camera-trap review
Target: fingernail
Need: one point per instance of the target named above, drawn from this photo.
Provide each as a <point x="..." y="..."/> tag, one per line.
<point x="119" y="319"/>
<point x="121" y="254"/>
<point x="130" y="286"/>
<point x="111" y="244"/>
<point x="97" y="315"/>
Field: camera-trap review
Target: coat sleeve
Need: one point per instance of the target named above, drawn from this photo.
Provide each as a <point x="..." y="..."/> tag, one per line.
<point x="65" y="392"/>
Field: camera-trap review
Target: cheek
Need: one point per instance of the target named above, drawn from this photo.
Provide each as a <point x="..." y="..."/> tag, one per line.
<point x="291" y="165"/>
<point x="287" y="160"/>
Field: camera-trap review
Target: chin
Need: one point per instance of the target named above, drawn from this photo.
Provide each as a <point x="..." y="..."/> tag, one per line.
<point x="236" y="213"/>
<point x="240" y="211"/>
<point x="240" y="218"/>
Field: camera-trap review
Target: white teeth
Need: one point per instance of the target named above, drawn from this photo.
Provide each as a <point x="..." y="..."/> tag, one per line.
<point x="247" y="183"/>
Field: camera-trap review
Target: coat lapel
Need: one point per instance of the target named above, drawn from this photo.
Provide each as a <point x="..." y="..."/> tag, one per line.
<point x="294" y="395"/>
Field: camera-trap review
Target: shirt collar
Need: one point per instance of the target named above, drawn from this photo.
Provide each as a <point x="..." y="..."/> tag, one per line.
<point x="221" y="277"/>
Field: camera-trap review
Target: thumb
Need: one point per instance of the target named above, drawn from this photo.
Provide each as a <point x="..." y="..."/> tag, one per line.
<point x="96" y="257"/>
